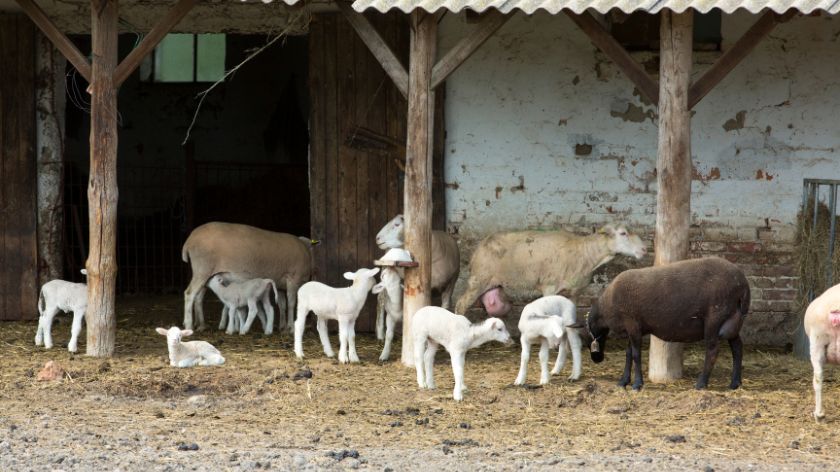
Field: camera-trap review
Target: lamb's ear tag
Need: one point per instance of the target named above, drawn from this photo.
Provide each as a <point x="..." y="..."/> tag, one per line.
<point x="594" y="347"/>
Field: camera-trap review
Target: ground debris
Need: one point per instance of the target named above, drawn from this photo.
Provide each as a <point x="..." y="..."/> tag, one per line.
<point x="675" y="438"/>
<point x="460" y="442"/>
<point x="343" y="454"/>
<point x="51" y="371"/>
<point x="304" y="373"/>
<point x="187" y="446"/>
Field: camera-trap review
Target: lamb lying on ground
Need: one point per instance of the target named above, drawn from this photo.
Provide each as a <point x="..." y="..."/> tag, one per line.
<point x="433" y="326"/>
<point x="65" y="296"/>
<point x="822" y="325"/>
<point x="248" y="293"/>
<point x="340" y="304"/>
<point x="550" y="321"/>
<point x="190" y="353"/>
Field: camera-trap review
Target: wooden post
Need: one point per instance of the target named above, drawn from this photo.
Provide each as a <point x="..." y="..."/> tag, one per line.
<point x="102" y="186"/>
<point x="673" y="199"/>
<point x="418" y="172"/>
<point x="49" y="149"/>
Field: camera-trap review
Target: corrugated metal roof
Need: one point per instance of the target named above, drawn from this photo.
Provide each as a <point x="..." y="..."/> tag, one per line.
<point x="601" y="6"/>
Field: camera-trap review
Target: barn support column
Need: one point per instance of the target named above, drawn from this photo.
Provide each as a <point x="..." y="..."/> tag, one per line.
<point x="102" y="186"/>
<point x="418" y="172"/>
<point x="673" y="199"/>
<point x="50" y="103"/>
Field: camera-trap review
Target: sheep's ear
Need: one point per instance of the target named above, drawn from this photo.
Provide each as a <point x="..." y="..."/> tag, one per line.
<point x="496" y="323"/>
<point x="186" y="332"/>
<point x="558" y="329"/>
<point x="607" y="229"/>
<point x="161" y="331"/>
<point x="350" y="276"/>
<point x="84" y="271"/>
<point x="377" y="288"/>
<point x="373" y="272"/>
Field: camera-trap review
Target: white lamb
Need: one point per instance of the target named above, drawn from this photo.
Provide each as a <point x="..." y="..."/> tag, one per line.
<point x="340" y="304"/>
<point x="390" y="290"/>
<point x="231" y="323"/>
<point x="248" y="293"/>
<point x="65" y="296"/>
<point x="550" y="321"/>
<point x="190" y="353"/>
<point x="822" y="325"/>
<point x="434" y="326"/>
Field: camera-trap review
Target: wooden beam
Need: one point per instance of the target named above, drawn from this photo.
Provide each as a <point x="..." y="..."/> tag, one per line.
<point x="673" y="164"/>
<point x="732" y="57"/>
<point x="135" y="57"/>
<point x="377" y="46"/>
<point x="102" y="184"/>
<point x="418" y="173"/>
<point x="456" y="56"/>
<point x="59" y="39"/>
<point x="604" y="41"/>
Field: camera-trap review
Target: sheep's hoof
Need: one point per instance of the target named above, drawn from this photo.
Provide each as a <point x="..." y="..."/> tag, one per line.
<point x="734" y="386"/>
<point x="573" y="378"/>
<point x="819" y="417"/>
<point x="637" y="388"/>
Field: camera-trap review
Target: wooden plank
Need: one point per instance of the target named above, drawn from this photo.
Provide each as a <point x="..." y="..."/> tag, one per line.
<point x="61" y="42"/>
<point x="151" y="40"/>
<point x="8" y="131"/>
<point x="102" y="187"/>
<point x="489" y="24"/>
<point x="732" y="57"/>
<point x="363" y="91"/>
<point x="673" y="199"/>
<point x="377" y="46"/>
<point x="604" y="41"/>
<point x="317" y="149"/>
<point x="345" y="197"/>
<point x="418" y="173"/>
<point x="25" y="184"/>
<point x="439" y="161"/>
<point x="333" y="267"/>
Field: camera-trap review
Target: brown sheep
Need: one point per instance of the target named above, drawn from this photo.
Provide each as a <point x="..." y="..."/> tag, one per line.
<point x="686" y="301"/>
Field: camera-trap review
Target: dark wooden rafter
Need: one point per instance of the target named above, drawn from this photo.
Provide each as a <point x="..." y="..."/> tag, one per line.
<point x="377" y="46"/>
<point x="59" y="39"/>
<point x="605" y="41"/>
<point x="734" y="55"/>
<point x="151" y="40"/>
<point x="489" y="24"/>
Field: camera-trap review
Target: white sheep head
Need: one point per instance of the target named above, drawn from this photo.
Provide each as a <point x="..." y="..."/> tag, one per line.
<point x="392" y="234"/>
<point x="622" y="241"/>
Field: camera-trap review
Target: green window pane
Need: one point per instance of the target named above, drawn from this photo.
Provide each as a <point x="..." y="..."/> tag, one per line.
<point x="174" y="59"/>
<point x="211" y="57"/>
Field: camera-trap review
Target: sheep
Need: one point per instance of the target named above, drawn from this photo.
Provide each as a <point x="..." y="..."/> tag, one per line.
<point x="232" y="322"/>
<point x="248" y="293"/>
<point x="256" y="253"/>
<point x="699" y="299"/>
<point x="190" y="353"/>
<point x="550" y="321"/>
<point x="446" y="260"/>
<point x="540" y="263"/>
<point x="340" y="304"/>
<point x="391" y="287"/>
<point x="433" y="326"/>
<point x="822" y="325"/>
<point x="66" y="296"/>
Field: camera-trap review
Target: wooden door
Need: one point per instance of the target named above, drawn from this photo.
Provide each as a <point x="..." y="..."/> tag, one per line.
<point x="357" y="147"/>
<point x="18" y="243"/>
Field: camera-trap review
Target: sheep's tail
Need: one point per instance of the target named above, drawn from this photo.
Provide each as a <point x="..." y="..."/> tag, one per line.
<point x="42" y="303"/>
<point x="276" y="293"/>
<point x="745" y="301"/>
<point x="185" y="254"/>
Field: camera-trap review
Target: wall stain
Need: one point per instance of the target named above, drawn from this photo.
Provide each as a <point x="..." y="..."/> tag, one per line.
<point x="520" y="187"/>
<point x="583" y="149"/>
<point x="453" y="185"/>
<point x="714" y="174"/>
<point x="634" y="113"/>
<point x="737" y="122"/>
<point x="498" y="192"/>
<point x="760" y="174"/>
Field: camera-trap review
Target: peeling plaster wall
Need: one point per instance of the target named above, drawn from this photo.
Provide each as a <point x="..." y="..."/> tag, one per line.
<point x="544" y="131"/>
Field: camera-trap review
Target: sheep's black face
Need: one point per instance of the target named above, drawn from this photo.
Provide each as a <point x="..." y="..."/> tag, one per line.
<point x="598" y="333"/>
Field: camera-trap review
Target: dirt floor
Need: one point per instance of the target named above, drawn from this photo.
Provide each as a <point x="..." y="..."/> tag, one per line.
<point x="261" y="410"/>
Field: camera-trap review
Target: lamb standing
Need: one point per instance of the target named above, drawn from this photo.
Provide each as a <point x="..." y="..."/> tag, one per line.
<point x="433" y="326"/>
<point x="190" y="353"/>
<point x="550" y="321"/>
<point x="391" y="289"/>
<point x="340" y="304"/>
<point x="822" y="325"/>
<point x="248" y="293"/>
<point x="66" y="296"/>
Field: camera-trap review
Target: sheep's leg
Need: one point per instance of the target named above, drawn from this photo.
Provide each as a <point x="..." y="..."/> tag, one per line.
<point x="291" y="302"/>
<point x="351" y="340"/>
<point x="389" y="338"/>
<point x="196" y="285"/>
<point x="211" y="359"/>
<point x="429" y="363"/>
<point x="446" y="293"/>
<point x="523" y="361"/>
<point x="224" y="319"/>
<point x="380" y="317"/>
<point x="324" y="334"/>
<point x="561" y="356"/>
<point x="628" y="363"/>
<point x="281" y="311"/>
<point x="737" y="348"/>
<point x="232" y="319"/>
<point x="189" y="362"/>
<point x="458" y="372"/>
<point x="474" y="289"/>
<point x="252" y="315"/>
<point x="78" y="317"/>
<point x="199" y="308"/>
<point x="49" y="314"/>
<point x="268" y="322"/>
<point x="39" y="334"/>
<point x="712" y="344"/>
<point x="343" y="328"/>
<point x="637" y="360"/>
<point x="419" y="349"/>
<point x="574" y="344"/>
<point x="544" y="362"/>
<point x="818" y="362"/>
<point x="300" y="323"/>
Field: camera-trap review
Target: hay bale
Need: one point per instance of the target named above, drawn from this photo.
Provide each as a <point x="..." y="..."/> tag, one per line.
<point x="812" y="241"/>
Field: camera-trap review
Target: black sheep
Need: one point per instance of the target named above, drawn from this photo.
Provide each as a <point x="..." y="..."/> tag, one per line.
<point x="686" y="301"/>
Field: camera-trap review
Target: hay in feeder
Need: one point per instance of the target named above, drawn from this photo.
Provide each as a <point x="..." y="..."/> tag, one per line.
<point x="812" y="251"/>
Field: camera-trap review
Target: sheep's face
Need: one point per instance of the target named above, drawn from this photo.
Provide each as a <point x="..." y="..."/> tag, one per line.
<point x="363" y="276"/>
<point x="498" y="330"/>
<point x="598" y="332"/>
<point x="389" y="279"/>
<point x="392" y="234"/>
<point x="174" y="334"/>
<point x="623" y="242"/>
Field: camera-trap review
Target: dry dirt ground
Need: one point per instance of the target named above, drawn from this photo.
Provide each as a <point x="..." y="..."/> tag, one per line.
<point x="259" y="411"/>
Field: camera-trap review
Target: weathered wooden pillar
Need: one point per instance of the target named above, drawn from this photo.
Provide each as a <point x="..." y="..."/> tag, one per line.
<point x="50" y="102"/>
<point x="102" y="186"/>
<point x="418" y="172"/>
<point x="673" y="199"/>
